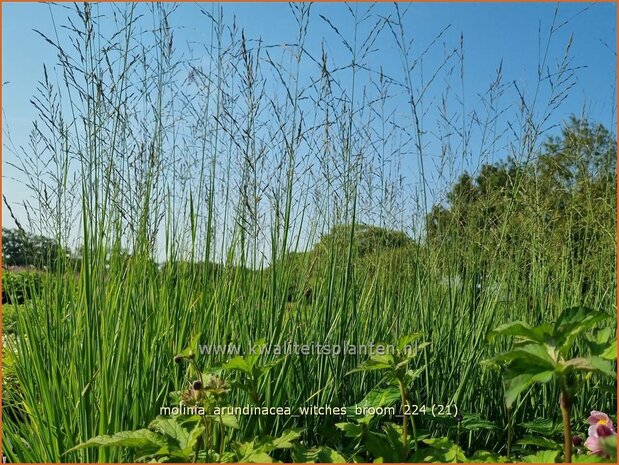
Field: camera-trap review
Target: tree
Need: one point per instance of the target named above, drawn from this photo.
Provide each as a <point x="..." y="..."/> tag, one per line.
<point x="20" y="248"/>
<point x="16" y="248"/>
<point x="568" y="188"/>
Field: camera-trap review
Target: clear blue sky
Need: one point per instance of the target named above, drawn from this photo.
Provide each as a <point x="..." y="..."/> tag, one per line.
<point x="506" y="32"/>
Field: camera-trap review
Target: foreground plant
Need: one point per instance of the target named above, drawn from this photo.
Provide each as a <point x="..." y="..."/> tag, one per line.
<point x="196" y="433"/>
<point x="541" y="355"/>
<point x="398" y="373"/>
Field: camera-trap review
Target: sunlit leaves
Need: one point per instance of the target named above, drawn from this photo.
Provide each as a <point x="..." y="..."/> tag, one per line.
<point x="539" y="353"/>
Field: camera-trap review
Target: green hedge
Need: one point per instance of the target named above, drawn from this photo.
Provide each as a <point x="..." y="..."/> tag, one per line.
<point x="9" y="318"/>
<point x="18" y="287"/>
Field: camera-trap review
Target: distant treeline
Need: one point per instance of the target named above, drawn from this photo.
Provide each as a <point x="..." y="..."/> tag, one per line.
<point x="569" y="190"/>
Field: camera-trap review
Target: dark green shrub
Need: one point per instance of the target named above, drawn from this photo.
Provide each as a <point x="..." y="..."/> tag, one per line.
<point x="17" y="287"/>
<point x="9" y="318"/>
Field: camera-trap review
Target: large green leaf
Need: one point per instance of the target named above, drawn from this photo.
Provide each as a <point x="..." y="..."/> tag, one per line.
<point x="587" y="458"/>
<point x="590" y="364"/>
<point x="237" y="363"/>
<point x="578" y="317"/>
<point x="377" y="397"/>
<point x="470" y="422"/>
<point x="611" y="351"/>
<point x="376" y="362"/>
<point x="145" y="440"/>
<point x="378" y="447"/>
<point x="482" y="456"/>
<point x="545" y="426"/>
<point x="394" y="436"/>
<point x="408" y="340"/>
<point x="603" y="343"/>
<point x="539" y="441"/>
<point x="411" y="354"/>
<point x="536" y="356"/>
<point x="412" y="375"/>
<point x="572" y="322"/>
<point x="543" y="456"/>
<point x="256" y="457"/>
<point x="440" y="450"/>
<point x="247" y="452"/>
<point x="328" y="455"/>
<point x="227" y="420"/>
<point x="474" y="422"/>
<point x="522" y="330"/>
<point x="177" y="434"/>
<point x="609" y="444"/>
<point x="285" y="440"/>
<point x="515" y="385"/>
<point x="351" y="430"/>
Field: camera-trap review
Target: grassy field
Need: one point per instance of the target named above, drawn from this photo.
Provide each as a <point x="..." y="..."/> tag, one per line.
<point x="284" y="218"/>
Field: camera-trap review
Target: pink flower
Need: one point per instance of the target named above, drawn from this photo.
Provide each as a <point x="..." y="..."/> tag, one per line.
<point x="601" y="427"/>
<point x="600" y="418"/>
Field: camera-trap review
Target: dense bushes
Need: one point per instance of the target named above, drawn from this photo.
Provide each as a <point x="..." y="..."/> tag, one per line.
<point x="17" y="287"/>
<point x="9" y="318"/>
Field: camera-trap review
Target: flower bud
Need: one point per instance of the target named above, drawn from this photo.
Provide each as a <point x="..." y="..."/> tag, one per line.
<point x="576" y="441"/>
<point x="197" y="385"/>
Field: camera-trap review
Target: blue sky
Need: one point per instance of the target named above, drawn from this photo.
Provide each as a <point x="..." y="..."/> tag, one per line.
<point x="493" y="33"/>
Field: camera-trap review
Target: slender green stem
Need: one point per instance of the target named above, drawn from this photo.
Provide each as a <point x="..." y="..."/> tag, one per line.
<point x="510" y="432"/>
<point x="566" y="406"/>
<point x="404" y="420"/>
<point x="405" y="409"/>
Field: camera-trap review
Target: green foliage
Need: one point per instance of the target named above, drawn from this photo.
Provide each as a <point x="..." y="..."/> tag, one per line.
<point x="583" y="153"/>
<point x="20" y="248"/>
<point x="252" y="372"/>
<point x="544" y="456"/>
<point x="588" y="458"/>
<point x="397" y="363"/>
<point x="363" y="238"/>
<point x="177" y="439"/>
<point x="145" y="440"/>
<point x="540" y="354"/>
<point x="482" y="456"/>
<point x="398" y="373"/>
<point x="19" y="287"/>
<point x="200" y="435"/>
<point x="321" y="454"/>
<point x="377" y="397"/>
<point x="12" y="407"/>
<point x="568" y="191"/>
<point x="9" y="318"/>
<point x="609" y="444"/>
<point x="381" y="441"/>
<point x="542" y="426"/>
<point x="440" y="450"/>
